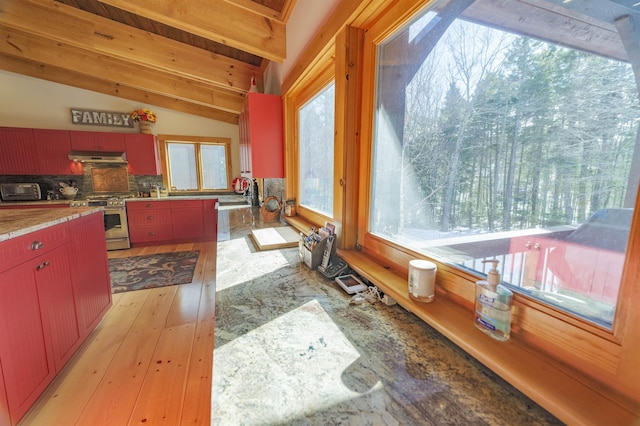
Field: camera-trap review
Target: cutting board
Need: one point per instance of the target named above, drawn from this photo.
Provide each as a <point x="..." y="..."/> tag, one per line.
<point x="112" y="179"/>
<point x="275" y="238"/>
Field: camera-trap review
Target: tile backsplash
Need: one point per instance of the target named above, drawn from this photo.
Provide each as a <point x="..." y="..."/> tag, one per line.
<point x="84" y="182"/>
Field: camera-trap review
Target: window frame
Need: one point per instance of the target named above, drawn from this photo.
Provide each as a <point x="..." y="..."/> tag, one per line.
<point x="604" y="354"/>
<point x="197" y="141"/>
<point x="300" y="98"/>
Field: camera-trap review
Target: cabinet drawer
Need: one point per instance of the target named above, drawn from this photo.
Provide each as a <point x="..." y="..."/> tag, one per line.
<point x="146" y="205"/>
<point x="18" y="250"/>
<point x="147" y="233"/>
<point x="186" y="204"/>
<point x="149" y="217"/>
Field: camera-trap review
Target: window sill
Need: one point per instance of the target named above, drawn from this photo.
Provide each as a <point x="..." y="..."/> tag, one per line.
<point x="564" y="395"/>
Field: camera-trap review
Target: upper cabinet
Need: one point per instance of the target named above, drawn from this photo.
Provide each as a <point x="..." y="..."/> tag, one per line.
<point x="36" y="151"/>
<point x="142" y="154"/>
<point x="18" y="151"/>
<point x="46" y="152"/>
<point x="52" y="148"/>
<point x="261" y="137"/>
<point x="97" y="141"/>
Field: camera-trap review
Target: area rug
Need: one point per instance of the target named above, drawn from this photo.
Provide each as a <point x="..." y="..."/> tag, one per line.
<point x="152" y="270"/>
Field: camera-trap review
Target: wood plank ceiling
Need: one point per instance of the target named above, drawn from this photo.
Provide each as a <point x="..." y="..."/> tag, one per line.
<point x="193" y="56"/>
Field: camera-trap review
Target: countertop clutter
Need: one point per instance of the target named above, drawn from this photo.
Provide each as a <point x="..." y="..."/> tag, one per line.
<point x="17" y="222"/>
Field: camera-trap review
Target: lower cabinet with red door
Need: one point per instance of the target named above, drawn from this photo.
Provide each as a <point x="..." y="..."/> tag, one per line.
<point x="172" y="220"/>
<point x="41" y="310"/>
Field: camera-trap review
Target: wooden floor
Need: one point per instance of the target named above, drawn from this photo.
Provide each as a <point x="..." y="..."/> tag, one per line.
<point x="148" y="362"/>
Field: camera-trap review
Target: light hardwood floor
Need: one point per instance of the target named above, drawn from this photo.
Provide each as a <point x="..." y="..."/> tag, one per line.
<point x="148" y="362"/>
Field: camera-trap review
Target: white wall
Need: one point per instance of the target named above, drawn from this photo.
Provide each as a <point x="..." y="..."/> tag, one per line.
<point x="306" y="18"/>
<point x="31" y="102"/>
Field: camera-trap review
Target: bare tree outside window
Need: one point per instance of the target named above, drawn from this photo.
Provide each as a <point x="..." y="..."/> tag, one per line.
<point x="490" y="144"/>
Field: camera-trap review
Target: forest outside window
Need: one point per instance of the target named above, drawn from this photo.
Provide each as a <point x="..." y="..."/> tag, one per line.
<point x="493" y="145"/>
<point x="315" y="135"/>
<point x="197" y="165"/>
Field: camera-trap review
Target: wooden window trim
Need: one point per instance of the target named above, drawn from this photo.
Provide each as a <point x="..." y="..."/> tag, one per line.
<point x="591" y="397"/>
<point x="607" y="357"/>
<point x="197" y="140"/>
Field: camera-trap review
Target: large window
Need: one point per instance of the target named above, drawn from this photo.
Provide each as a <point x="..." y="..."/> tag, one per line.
<point x="201" y="165"/>
<point x="316" y="130"/>
<point x="490" y="144"/>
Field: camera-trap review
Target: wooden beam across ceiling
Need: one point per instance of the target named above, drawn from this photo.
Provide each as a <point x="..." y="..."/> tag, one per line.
<point x="111" y="69"/>
<point x="56" y="21"/>
<point x="218" y="20"/>
<point x="82" y="81"/>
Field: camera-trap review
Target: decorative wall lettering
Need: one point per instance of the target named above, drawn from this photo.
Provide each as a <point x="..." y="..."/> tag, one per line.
<point x="100" y="118"/>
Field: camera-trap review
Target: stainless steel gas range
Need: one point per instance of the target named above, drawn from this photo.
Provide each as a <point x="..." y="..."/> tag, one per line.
<point x="115" y="219"/>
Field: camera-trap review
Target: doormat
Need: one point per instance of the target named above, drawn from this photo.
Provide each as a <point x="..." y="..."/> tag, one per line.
<point x="152" y="270"/>
<point x="275" y="238"/>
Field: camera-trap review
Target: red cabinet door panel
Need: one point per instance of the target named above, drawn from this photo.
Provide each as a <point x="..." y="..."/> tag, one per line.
<point x="142" y="154"/>
<point x="27" y="365"/>
<point x="52" y="148"/>
<point x="187" y="223"/>
<point x="57" y="306"/>
<point x="18" y="151"/>
<point x="90" y="272"/>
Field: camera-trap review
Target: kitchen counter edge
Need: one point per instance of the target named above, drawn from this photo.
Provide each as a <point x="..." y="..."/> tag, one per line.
<point x="17" y="222"/>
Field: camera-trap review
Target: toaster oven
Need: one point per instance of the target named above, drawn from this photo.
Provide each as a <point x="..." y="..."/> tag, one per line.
<point x="20" y="191"/>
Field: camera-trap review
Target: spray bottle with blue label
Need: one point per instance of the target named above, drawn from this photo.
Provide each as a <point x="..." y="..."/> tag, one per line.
<point x="493" y="305"/>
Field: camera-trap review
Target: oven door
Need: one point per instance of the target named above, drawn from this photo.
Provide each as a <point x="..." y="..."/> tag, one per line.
<point x="115" y="228"/>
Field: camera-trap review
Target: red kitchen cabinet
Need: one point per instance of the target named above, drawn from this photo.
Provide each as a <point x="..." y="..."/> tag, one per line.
<point x="142" y="154"/>
<point x="42" y="304"/>
<point x="97" y="141"/>
<point x="4" y="405"/>
<point x="18" y="150"/>
<point x="27" y="363"/>
<point x="38" y="327"/>
<point x="187" y="219"/>
<point x="90" y="273"/>
<point x="57" y="306"/>
<point x="210" y="218"/>
<point x="149" y="221"/>
<point x="261" y="137"/>
<point x="52" y="152"/>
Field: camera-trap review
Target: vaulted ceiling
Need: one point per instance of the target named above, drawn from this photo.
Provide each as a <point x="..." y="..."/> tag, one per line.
<point x="193" y="56"/>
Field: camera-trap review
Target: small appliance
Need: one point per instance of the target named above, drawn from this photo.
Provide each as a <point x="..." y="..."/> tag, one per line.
<point x="20" y="191"/>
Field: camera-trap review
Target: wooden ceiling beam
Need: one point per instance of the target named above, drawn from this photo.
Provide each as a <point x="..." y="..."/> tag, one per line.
<point x="82" y="81"/>
<point x="254" y="7"/>
<point x="58" y="54"/>
<point x="217" y="20"/>
<point x="56" y="21"/>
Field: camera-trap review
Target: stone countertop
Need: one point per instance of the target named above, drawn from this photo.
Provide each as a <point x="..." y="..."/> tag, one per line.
<point x="17" y="222"/>
<point x="173" y="197"/>
<point x="34" y="203"/>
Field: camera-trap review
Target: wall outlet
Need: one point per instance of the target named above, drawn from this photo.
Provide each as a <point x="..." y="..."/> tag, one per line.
<point x="389" y="301"/>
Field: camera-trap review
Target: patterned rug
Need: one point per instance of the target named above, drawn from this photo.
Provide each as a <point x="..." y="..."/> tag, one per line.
<point x="152" y="270"/>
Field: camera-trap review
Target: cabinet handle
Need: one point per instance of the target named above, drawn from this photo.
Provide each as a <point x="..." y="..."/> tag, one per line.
<point x="152" y="233"/>
<point x="42" y="265"/>
<point x="37" y="245"/>
<point x="528" y="245"/>
<point x="149" y="217"/>
<point x="536" y="246"/>
<point x="149" y="205"/>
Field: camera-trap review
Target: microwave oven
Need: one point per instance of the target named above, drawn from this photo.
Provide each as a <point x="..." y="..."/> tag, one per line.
<point x="19" y="191"/>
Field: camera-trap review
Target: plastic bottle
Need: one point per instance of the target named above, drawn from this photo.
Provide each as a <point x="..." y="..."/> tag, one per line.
<point x="493" y="305"/>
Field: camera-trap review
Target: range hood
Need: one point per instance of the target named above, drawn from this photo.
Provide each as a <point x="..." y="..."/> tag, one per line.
<point x="98" y="157"/>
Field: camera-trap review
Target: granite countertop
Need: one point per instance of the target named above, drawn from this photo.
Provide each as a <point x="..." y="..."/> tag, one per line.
<point x="17" y="222"/>
<point x="173" y="197"/>
<point x="39" y="203"/>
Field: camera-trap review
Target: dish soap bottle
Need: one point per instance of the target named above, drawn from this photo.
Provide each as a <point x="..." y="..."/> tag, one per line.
<point x="493" y="305"/>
